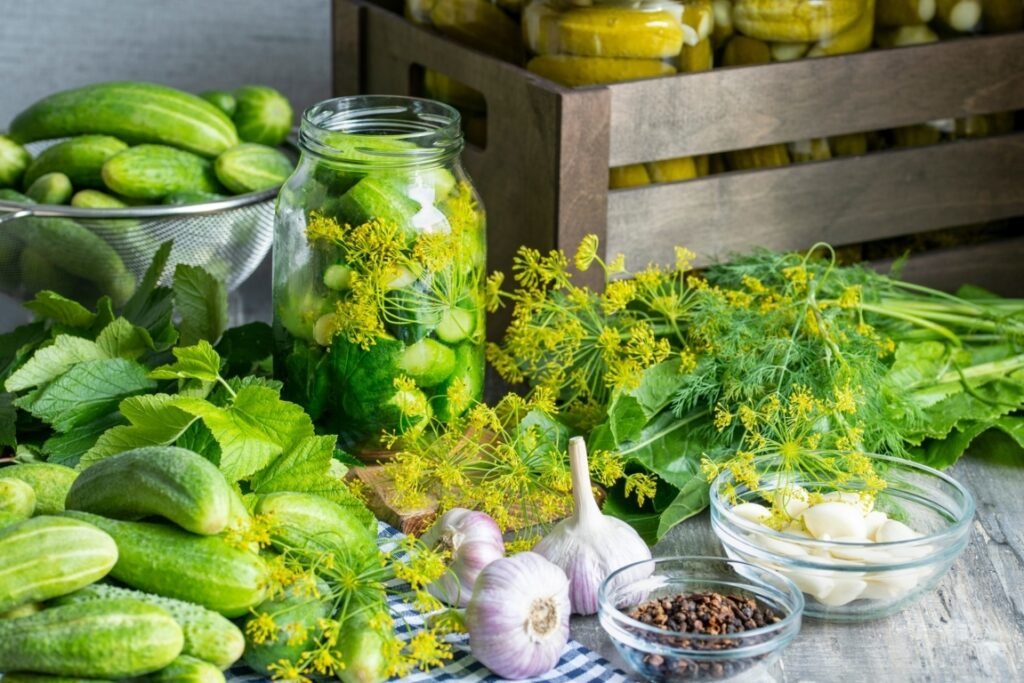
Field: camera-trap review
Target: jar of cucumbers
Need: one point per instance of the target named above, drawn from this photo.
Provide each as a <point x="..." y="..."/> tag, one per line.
<point x="379" y="258"/>
<point x="782" y="30"/>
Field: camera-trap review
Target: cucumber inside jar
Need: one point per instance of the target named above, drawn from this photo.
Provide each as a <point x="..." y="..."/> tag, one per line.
<point x="381" y="298"/>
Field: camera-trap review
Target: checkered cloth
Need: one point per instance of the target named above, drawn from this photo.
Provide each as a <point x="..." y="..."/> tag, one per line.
<point x="577" y="665"/>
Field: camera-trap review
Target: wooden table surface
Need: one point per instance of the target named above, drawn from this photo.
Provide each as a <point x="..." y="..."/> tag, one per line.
<point x="971" y="628"/>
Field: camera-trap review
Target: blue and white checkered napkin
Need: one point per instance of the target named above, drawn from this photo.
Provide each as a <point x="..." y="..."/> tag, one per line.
<point x="577" y="665"/>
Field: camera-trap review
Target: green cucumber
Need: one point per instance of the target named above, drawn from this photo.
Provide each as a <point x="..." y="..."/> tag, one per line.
<point x="17" y="497"/>
<point x="7" y="519"/>
<point x="362" y="652"/>
<point x="251" y="167"/>
<point x="130" y="111"/>
<point x="14" y="159"/>
<point x="103" y="639"/>
<point x="155" y="171"/>
<point x="26" y="610"/>
<point x="428" y="362"/>
<point x="51" y="188"/>
<point x="378" y="197"/>
<point x="208" y="635"/>
<point x="82" y="253"/>
<point x="262" y="115"/>
<point x="49" y="481"/>
<point x="186" y="669"/>
<point x="469" y="368"/>
<point x="170" y="482"/>
<point x="46" y="557"/>
<point x="9" y="195"/>
<point x="221" y="99"/>
<point x="456" y="324"/>
<point x="305" y="520"/>
<point x="292" y="612"/>
<point x="38" y="274"/>
<point x="80" y="159"/>
<point x="164" y="560"/>
<point x="182" y="198"/>
<point x="26" y="677"/>
<point x="95" y="199"/>
<point x="337" y="277"/>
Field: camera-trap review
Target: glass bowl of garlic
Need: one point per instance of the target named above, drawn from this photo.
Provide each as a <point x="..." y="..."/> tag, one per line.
<point x="858" y="553"/>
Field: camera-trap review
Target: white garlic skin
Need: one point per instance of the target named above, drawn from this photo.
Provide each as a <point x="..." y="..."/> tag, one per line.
<point x="518" y="617"/>
<point x="589" y="545"/>
<point x="474" y="540"/>
<point x="588" y="559"/>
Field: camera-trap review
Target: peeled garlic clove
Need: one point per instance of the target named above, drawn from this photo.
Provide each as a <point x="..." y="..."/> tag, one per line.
<point x="752" y="512"/>
<point x="893" y="531"/>
<point x="780" y="547"/>
<point x="843" y="591"/>
<point x="890" y="585"/>
<point x="836" y="520"/>
<point x="858" y="553"/>
<point x="873" y="521"/>
<point x="816" y="584"/>
<point x="865" y="503"/>
<point x="795" y="500"/>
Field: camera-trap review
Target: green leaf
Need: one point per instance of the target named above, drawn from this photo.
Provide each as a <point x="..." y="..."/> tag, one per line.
<point x="50" y="362"/>
<point x="193" y="362"/>
<point x="8" y="421"/>
<point x="121" y="339"/>
<point x="1012" y="426"/>
<point x="256" y="428"/>
<point x="999" y="447"/>
<point x="943" y="453"/>
<point x="199" y="439"/>
<point x="244" y="347"/>
<point x="18" y="345"/>
<point x="87" y="391"/>
<point x="142" y="298"/>
<point x="307" y="468"/>
<point x="984" y="403"/>
<point x="68" y="448"/>
<point x="153" y="420"/>
<point x="49" y="305"/>
<point x="202" y="301"/>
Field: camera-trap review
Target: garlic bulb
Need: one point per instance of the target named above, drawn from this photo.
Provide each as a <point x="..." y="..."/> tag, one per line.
<point x="518" y="617"/>
<point x="474" y="540"/>
<point x="589" y="545"/>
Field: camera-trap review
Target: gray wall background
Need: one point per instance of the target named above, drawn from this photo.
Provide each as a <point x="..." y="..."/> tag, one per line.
<point x="51" y="45"/>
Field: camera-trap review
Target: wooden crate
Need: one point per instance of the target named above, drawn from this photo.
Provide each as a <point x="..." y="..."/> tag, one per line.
<point x="544" y="171"/>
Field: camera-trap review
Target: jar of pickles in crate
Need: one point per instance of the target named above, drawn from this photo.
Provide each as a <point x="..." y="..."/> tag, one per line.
<point x="485" y="25"/>
<point x="379" y="258"/>
<point x="580" y="43"/>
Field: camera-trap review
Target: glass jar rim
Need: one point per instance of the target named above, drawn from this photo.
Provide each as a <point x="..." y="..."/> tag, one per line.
<point x="381" y="130"/>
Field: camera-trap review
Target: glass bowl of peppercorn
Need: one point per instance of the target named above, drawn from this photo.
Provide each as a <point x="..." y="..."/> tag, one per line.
<point x="700" y="619"/>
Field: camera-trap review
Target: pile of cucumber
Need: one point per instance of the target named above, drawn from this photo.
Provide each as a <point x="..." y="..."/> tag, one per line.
<point x="128" y="144"/>
<point x="63" y="535"/>
<point x="131" y="143"/>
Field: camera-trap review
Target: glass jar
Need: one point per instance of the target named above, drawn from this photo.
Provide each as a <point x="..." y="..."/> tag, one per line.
<point x="486" y="25"/>
<point x="791" y="29"/>
<point x="379" y="259"/>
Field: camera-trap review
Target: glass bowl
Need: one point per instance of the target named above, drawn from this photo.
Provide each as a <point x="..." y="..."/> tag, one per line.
<point x="662" y="655"/>
<point x="848" y="580"/>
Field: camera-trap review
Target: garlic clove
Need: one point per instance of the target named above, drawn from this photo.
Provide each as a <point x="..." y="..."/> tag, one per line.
<point x="795" y="500"/>
<point x="859" y="554"/>
<point x="835" y="520"/>
<point x="752" y="512"/>
<point x="890" y="585"/>
<point x="780" y="547"/>
<point x="893" y="531"/>
<point x="873" y="521"/>
<point x="843" y="591"/>
<point x="865" y="503"/>
<point x="817" y="584"/>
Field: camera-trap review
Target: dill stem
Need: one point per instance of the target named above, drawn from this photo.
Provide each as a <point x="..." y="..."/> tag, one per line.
<point x="913" y="319"/>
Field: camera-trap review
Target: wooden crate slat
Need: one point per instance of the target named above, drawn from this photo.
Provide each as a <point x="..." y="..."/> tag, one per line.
<point x="841" y="201"/>
<point x="727" y="109"/>
<point x="998" y="266"/>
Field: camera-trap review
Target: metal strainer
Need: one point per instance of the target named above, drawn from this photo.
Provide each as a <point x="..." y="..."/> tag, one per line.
<point x="228" y="237"/>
